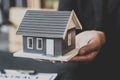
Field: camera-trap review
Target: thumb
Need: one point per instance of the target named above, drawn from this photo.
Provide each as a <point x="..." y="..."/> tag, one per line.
<point x="92" y="45"/>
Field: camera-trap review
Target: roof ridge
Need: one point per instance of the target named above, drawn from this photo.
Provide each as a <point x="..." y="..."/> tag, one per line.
<point x="51" y="10"/>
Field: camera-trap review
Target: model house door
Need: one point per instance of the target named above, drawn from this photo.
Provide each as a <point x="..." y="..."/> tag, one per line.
<point x="50" y="47"/>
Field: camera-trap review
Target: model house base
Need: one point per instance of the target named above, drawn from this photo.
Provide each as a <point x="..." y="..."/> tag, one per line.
<point x="65" y="57"/>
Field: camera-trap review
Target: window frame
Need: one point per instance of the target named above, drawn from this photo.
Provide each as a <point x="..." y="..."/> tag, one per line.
<point x="37" y="45"/>
<point x="28" y="38"/>
<point x="69" y="39"/>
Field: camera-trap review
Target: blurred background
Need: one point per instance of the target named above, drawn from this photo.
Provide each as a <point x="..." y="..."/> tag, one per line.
<point x="11" y="13"/>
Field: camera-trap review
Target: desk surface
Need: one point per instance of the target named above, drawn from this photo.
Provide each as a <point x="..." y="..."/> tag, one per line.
<point x="7" y="61"/>
<point x="67" y="71"/>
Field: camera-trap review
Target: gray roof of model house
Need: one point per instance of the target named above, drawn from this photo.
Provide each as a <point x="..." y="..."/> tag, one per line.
<point x="51" y="24"/>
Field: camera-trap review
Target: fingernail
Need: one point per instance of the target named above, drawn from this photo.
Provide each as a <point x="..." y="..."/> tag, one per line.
<point x="53" y="61"/>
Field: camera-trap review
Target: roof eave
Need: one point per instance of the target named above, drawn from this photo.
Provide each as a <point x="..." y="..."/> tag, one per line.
<point x="76" y="21"/>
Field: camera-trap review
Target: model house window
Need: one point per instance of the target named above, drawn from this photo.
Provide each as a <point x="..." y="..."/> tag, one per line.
<point x="39" y="44"/>
<point x="29" y="42"/>
<point x="69" y="39"/>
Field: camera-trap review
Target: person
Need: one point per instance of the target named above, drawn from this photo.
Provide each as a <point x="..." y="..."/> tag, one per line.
<point x="100" y="21"/>
<point x="99" y="57"/>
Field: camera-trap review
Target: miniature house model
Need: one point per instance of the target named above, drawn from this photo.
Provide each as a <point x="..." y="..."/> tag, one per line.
<point x="48" y="32"/>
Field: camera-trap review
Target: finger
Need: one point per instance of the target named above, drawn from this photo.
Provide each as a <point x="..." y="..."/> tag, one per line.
<point x="92" y="46"/>
<point x="52" y="61"/>
<point x="86" y="58"/>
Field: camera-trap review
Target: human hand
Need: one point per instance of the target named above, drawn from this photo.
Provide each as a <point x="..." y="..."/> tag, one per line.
<point x="89" y="43"/>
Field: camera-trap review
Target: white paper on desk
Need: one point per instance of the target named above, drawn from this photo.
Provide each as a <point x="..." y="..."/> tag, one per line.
<point x="18" y="76"/>
<point x="47" y="76"/>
